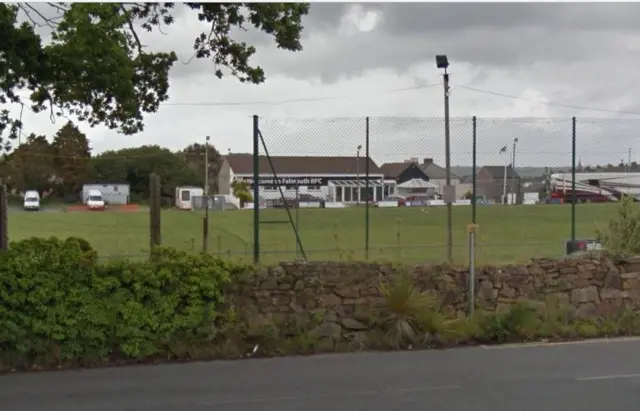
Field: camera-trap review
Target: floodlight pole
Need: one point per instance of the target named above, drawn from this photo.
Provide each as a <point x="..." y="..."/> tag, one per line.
<point x="447" y="148"/>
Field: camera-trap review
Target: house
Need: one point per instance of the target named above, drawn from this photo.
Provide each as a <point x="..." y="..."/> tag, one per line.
<point x="406" y="179"/>
<point x="438" y="176"/>
<point x="426" y="171"/>
<point x="490" y="182"/>
<point x="339" y="179"/>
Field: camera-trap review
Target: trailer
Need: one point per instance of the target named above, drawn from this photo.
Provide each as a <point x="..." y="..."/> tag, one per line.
<point x="184" y="196"/>
<point x="594" y="187"/>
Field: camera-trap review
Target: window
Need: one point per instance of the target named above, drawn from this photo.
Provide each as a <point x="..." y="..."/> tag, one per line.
<point x="290" y="187"/>
<point x="313" y="188"/>
<point x="115" y="188"/>
<point x="270" y="188"/>
<point x="379" y="193"/>
<point x="185" y="195"/>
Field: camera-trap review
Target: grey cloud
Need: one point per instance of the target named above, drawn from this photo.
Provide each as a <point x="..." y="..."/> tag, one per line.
<point x="336" y="58"/>
<point x="410" y="18"/>
<point x="489" y="35"/>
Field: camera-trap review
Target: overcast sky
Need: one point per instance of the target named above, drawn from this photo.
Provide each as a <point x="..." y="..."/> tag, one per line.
<point x="377" y="60"/>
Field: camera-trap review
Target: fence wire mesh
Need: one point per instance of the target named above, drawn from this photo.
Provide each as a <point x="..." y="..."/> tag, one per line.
<point x="310" y="171"/>
<point x="372" y="188"/>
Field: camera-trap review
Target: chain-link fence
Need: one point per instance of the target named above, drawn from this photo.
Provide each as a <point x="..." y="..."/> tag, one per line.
<point x="374" y="188"/>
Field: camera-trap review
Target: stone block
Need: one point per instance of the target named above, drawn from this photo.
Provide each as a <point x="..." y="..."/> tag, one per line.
<point x="584" y="295"/>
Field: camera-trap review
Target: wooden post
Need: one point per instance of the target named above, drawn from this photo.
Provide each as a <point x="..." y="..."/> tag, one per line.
<point x="205" y="232"/>
<point x="154" y="211"/>
<point x="4" y="231"/>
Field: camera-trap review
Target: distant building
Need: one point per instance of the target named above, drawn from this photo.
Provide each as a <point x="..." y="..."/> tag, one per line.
<point x="427" y="171"/>
<point x="490" y="182"/>
<point x="339" y="179"/>
<point x="113" y="193"/>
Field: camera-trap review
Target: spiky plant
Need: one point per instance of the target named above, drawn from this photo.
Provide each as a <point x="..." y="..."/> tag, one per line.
<point x="405" y="305"/>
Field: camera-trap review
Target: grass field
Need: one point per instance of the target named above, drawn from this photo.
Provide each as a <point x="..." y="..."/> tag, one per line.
<point x="506" y="234"/>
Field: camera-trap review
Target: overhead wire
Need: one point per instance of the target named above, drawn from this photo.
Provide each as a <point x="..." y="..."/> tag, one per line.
<point x="549" y="103"/>
<point x="298" y="100"/>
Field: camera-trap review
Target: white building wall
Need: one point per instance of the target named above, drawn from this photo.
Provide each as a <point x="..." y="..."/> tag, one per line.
<point x="461" y="188"/>
<point x="112" y="193"/>
<point x="273" y="193"/>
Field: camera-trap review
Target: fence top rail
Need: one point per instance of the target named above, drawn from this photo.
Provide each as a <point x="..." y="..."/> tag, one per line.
<point x="628" y="118"/>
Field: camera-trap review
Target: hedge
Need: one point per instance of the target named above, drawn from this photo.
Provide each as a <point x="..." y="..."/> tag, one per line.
<point x="59" y="305"/>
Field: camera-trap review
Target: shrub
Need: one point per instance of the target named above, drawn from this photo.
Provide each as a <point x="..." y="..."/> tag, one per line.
<point x="59" y="305"/>
<point x="404" y="304"/>
<point x="621" y="236"/>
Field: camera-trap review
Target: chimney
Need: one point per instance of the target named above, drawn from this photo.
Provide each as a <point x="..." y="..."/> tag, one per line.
<point x="427" y="161"/>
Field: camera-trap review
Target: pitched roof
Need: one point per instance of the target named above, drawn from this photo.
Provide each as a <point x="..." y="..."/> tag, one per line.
<point x="435" y="172"/>
<point x="302" y="165"/>
<point x="497" y="172"/>
<point x="393" y="170"/>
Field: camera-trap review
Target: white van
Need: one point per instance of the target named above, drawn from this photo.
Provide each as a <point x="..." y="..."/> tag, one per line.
<point x="31" y="201"/>
<point x="94" y="200"/>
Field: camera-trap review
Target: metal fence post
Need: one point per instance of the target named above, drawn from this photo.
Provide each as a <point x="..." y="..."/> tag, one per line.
<point x="256" y="190"/>
<point x="473" y="169"/>
<point x="573" y="180"/>
<point x="472" y="228"/>
<point x="368" y="199"/>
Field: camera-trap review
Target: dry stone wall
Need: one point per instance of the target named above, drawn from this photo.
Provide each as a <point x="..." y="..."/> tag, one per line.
<point x="343" y="296"/>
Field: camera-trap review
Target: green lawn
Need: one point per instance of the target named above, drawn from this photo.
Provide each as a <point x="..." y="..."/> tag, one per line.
<point x="506" y="234"/>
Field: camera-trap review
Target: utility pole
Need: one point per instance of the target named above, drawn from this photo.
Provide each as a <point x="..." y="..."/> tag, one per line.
<point x="205" y="223"/>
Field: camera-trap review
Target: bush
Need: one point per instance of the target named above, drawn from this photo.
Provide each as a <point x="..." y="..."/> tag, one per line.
<point x="59" y="305"/>
<point x="621" y="236"/>
<point x="412" y="317"/>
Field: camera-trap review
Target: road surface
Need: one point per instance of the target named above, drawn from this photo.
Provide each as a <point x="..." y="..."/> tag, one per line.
<point x="592" y="376"/>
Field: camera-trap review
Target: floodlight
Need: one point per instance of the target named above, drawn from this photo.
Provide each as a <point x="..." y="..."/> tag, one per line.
<point x="442" y="62"/>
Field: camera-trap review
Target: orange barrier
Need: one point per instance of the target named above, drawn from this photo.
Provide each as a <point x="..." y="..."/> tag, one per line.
<point x="121" y="208"/>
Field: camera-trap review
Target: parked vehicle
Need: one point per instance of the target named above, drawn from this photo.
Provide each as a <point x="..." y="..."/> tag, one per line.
<point x="391" y="199"/>
<point x="302" y="201"/>
<point x="94" y="200"/>
<point x="184" y="197"/>
<point x="31" y="201"/>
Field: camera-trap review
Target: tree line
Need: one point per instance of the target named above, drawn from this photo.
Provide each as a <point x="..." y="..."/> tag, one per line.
<point x="59" y="168"/>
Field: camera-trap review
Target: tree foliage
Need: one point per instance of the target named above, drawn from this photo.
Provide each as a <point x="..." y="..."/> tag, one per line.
<point x="133" y="165"/>
<point x="31" y="166"/>
<point x="71" y="158"/>
<point x="96" y="67"/>
<point x="621" y="235"/>
<point x="194" y="155"/>
<point x="241" y="191"/>
<point x="65" y="164"/>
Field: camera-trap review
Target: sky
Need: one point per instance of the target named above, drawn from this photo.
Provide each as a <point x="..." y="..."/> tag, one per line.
<point x="515" y="66"/>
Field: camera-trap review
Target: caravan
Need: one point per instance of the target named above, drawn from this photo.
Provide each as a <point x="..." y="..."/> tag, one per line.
<point x="184" y="197"/>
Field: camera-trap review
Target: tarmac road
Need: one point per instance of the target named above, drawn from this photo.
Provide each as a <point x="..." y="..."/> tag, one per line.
<point x="592" y="376"/>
